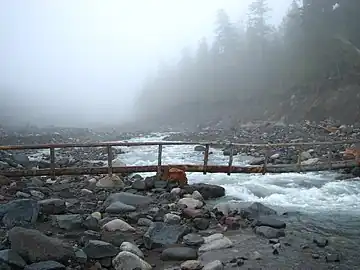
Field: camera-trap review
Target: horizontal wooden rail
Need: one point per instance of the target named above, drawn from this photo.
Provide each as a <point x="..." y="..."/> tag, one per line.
<point x="121" y="143"/>
<point x="188" y="168"/>
<point x="205" y="168"/>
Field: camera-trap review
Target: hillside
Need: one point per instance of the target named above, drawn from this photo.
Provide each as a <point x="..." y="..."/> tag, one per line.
<point x="306" y="68"/>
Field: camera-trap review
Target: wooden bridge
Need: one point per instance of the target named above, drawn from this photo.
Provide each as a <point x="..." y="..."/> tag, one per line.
<point x="53" y="171"/>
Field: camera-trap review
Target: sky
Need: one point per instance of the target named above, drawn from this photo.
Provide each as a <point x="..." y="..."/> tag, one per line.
<point x="82" y="62"/>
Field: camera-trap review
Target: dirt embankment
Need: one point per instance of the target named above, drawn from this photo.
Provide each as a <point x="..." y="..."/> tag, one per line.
<point x="338" y="99"/>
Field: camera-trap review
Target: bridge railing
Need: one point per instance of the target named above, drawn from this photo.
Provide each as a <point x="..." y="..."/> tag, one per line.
<point x="53" y="171"/>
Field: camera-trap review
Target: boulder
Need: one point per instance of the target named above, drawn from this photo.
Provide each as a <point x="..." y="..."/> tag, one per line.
<point x="214" y="265"/>
<point x="126" y="260"/>
<point x="118" y="225"/>
<point x="128" y="198"/>
<point x="191" y="265"/>
<point x="67" y="222"/>
<point x="269" y="233"/>
<point x="179" y="254"/>
<point x="127" y="246"/>
<point x="119" y="208"/>
<point x="35" y="246"/>
<point x="96" y="249"/>
<point x="193" y="239"/>
<point x="20" y="212"/>
<point x="12" y="258"/>
<point x="111" y="182"/>
<point x="190" y="203"/>
<point x="52" y="206"/>
<point x="172" y="219"/>
<point x="45" y="265"/>
<point x="218" y="241"/>
<point x="139" y="184"/>
<point x="270" y="222"/>
<point x="160" y="234"/>
<point x="206" y="190"/>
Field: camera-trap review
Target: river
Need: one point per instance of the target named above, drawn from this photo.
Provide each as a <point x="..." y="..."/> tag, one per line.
<point x="315" y="202"/>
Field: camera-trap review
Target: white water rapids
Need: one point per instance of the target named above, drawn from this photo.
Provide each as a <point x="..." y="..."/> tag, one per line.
<point x="315" y="202"/>
<point x="305" y="192"/>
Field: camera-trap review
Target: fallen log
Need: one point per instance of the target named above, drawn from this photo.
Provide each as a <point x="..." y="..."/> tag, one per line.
<point x="281" y="168"/>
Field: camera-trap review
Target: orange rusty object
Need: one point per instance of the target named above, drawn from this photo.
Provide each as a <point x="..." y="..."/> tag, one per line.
<point x="174" y="174"/>
<point x="178" y="176"/>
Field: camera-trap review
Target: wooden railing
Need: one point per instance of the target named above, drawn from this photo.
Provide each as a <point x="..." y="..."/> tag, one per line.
<point x="53" y="171"/>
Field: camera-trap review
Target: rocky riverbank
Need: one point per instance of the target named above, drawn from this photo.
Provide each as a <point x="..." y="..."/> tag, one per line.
<point x="266" y="132"/>
<point x="119" y="222"/>
<point x="134" y="223"/>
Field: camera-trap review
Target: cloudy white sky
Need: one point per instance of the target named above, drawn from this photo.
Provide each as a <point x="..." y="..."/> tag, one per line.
<point x="84" y="60"/>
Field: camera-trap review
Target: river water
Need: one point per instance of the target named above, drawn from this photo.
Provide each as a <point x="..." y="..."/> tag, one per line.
<point x="316" y="202"/>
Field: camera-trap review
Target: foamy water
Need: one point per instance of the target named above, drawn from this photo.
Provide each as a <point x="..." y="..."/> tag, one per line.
<point x="307" y="192"/>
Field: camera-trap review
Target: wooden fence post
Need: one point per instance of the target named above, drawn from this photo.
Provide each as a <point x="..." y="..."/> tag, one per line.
<point x="299" y="160"/>
<point x="206" y="157"/>
<point x="231" y="157"/>
<point x="267" y="155"/>
<point x="110" y="159"/>
<point x="52" y="163"/>
<point x="330" y="158"/>
<point x="159" y="161"/>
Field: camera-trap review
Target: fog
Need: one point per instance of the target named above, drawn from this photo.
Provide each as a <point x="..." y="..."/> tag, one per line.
<point x="83" y="62"/>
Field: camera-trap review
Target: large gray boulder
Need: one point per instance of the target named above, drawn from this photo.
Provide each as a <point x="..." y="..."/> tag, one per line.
<point x="160" y="234"/>
<point x="128" y="198"/>
<point x="34" y="246"/>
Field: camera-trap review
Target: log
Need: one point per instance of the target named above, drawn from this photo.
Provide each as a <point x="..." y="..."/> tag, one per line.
<point x="121" y="143"/>
<point x="281" y="168"/>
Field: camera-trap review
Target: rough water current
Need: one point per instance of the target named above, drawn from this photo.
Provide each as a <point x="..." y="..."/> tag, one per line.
<point x="313" y="203"/>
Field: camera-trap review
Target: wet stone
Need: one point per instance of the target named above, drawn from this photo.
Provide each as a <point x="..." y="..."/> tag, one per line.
<point x="201" y="223"/>
<point x="214" y="265"/>
<point x="45" y="265"/>
<point x="96" y="249"/>
<point x="116" y="238"/>
<point x="144" y="222"/>
<point x="315" y="256"/>
<point x="91" y="223"/>
<point x="119" y="208"/>
<point x="161" y="234"/>
<point x="274" y="241"/>
<point x="32" y="245"/>
<point x="128" y="198"/>
<point x="321" y="242"/>
<point x="80" y="256"/>
<point x="139" y="184"/>
<point x="179" y="254"/>
<point x="270" y="222"/>
<point x="20" y="212"/>
<point x="12" y="258"/>
<point x="193" y="239"/>
<point x="332" y="258"/>
<point x="52" y="206"/>
<point x="269" y="232"/>
<point x="67" y="222"/>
